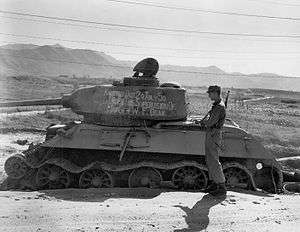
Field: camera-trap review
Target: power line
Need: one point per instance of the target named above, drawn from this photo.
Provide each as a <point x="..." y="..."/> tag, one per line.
<point x="145" y="32"/>
<point x="135" y="46"/>
<point x="162" y="70"/>
<point x="151" y="28"/>
<point x="89" y="26"/>
<point x="202" y="10"/>
<point x="273" y="2"/>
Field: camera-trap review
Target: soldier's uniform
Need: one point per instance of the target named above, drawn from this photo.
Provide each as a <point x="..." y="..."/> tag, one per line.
<point x="214" y="124"/>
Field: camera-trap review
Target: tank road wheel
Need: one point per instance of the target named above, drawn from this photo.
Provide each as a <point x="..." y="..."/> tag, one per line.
<point x="237" y="176"/>
<point x="95" y="178"/>
<point x="15" y="166"/>
<point x="52" y="177"/>
<point x="189" y="177"/>
<point x="144" y="177"/>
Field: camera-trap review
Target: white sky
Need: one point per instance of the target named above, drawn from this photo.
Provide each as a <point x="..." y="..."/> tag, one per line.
<point x="256" y="59"/>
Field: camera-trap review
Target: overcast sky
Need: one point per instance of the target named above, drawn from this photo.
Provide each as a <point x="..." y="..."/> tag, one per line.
<point x="250" y="54"/>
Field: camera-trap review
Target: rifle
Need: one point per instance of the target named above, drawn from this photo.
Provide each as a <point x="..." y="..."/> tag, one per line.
<point x="226" y="99"/>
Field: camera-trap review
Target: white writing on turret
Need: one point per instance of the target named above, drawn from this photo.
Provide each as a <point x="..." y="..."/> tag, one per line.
<point x="138" y="103"/>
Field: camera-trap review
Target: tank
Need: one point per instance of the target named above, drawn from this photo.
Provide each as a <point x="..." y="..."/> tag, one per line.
<point x="136" y="133"/>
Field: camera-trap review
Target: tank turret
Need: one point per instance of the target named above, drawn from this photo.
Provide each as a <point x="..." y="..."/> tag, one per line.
<point x="138" y="100"/>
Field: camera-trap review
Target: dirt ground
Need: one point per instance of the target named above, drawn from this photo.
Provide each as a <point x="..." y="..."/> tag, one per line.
<point x="146" y="210"/>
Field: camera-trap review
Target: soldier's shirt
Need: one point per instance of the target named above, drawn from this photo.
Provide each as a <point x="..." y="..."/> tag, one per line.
<point x="217" y="115"/>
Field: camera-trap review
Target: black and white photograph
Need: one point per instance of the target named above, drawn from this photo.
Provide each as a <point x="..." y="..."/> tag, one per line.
<point x="149" y="115"/>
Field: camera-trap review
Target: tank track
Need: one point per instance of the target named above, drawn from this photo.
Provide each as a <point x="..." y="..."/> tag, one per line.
<point x="40" y="165"/>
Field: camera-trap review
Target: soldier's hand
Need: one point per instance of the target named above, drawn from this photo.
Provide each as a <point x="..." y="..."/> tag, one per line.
<point x="200" y="122"/>
<point x="196" y="121"/>
<point x="203" y="125"/>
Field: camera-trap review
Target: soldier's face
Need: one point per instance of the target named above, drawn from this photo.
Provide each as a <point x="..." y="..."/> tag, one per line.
<point x="213" y="96"/>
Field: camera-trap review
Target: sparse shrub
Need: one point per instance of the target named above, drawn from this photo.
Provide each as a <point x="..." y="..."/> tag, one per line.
<point x="289" y="101"/>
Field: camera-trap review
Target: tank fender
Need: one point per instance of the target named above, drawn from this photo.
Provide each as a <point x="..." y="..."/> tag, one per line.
<point x="67" y="132"/>
<point x="244" y="144"/>
<point x="51" y="130"/>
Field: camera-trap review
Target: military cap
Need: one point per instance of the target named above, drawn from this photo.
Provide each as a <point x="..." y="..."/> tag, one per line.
<point x="214" y="88"/>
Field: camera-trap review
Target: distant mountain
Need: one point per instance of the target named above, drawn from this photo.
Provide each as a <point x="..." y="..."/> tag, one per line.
<point x="55" y="60"/>
<point x="265" y="75"/>
<point x="19" y="46"/>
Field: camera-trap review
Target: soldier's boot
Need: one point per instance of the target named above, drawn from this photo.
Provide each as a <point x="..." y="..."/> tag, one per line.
<point x="219" y="191"/>
<point x="211" y="187"/>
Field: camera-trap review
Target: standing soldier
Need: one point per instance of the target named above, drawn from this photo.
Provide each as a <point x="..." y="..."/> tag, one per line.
<point x="214" y="122"/>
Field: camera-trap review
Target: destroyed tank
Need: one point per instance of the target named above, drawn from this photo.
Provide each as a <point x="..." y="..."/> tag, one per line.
<point x="136" y="133"/>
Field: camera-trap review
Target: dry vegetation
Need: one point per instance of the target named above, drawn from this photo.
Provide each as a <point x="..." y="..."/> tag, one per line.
<point x="29" y="87"/>
<point x="275" y="121"/>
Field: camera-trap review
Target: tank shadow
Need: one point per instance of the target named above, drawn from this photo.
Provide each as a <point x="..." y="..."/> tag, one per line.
<point x="197" y="217"/>
<point x="100" y="195"/>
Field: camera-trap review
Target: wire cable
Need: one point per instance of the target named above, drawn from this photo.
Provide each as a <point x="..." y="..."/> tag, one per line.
<point x="90" y="26"/>
<point x="148" y="32"/>
<point x="275" y="3"/>
<point x="151" y="28"/>
<point x="135" y="46"/>
<point x="202" y="10"/>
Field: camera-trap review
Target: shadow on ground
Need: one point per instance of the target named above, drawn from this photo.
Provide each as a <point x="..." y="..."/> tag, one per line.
<point x="197" y="217"/>
<point x="100" y="195"/>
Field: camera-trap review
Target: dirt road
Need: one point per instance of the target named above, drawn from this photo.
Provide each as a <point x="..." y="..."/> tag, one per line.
<point x="146" y="210"/>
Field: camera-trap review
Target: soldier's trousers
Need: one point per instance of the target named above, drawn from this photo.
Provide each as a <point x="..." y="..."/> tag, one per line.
<point x="212" y="150"/>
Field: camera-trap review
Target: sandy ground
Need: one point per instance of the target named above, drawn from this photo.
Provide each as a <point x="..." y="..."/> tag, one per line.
<point x="146" y="210"/>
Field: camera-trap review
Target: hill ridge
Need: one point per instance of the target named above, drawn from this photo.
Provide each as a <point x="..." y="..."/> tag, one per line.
<point x="55" y="60"/>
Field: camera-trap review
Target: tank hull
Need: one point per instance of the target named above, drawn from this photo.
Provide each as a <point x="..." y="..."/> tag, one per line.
<point x="144" y="157"/>
<point x="169" y="138"/>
